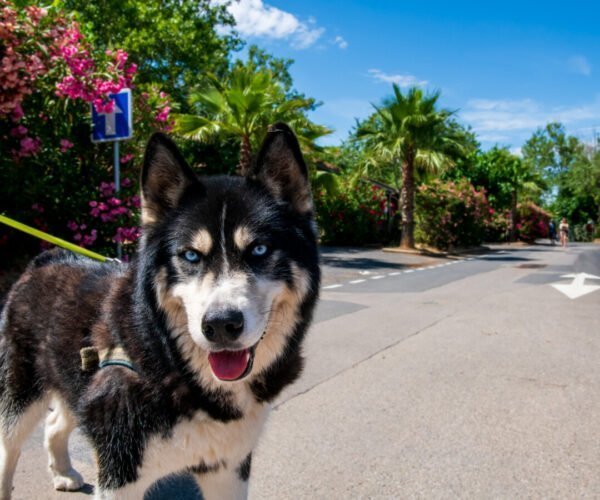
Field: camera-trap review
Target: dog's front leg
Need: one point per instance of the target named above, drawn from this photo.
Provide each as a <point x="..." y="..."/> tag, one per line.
<point x="226" y="483"/>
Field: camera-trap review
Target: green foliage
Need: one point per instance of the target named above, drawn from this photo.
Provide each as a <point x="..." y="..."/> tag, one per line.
<point x="505" y="177"/>
<point x="243" y="106"/>
<point x="408" y="127"/>
<point x="579" y="195"/>
<point x="406" y="136"/>
<point x="571" y="172"/>
<point x="352" y="215"/>
<point x="551" y="152"/>
<point x="452" y="214"/>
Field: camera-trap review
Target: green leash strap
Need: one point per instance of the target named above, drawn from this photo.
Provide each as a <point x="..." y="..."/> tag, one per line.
<point x="52" y="239"/>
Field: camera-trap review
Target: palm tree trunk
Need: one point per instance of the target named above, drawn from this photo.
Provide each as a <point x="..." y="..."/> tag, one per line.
<point x="407" y="196"/>
<point x="245" y="156"/>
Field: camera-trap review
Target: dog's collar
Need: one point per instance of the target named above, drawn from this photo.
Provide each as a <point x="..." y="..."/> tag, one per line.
<point x="92" y="358"/>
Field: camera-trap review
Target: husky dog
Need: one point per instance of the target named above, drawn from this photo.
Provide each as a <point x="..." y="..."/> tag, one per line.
<point x="171" y="363"/>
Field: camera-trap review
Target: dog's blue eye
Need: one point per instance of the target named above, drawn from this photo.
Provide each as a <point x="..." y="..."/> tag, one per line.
<point x="260" y="250"/>
<point x="191" y="256"/>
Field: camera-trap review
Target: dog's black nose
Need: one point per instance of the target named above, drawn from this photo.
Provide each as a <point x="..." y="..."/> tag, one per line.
<point x="223" y="325"/>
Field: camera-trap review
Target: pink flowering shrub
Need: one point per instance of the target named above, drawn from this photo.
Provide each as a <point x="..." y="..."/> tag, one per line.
<point x="50" y="76"/>
<point x="451" y="214"/>
<point x="532" y="222"/>
<point x="354" y="216"/>
<point x="112" y="218"/>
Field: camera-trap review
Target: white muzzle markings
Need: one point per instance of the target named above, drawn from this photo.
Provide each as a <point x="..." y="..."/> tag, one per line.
<point x="234" y="291"/>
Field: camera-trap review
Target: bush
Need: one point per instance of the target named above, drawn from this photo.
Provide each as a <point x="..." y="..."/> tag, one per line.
<point x="352" y="215"/>
<point x="451" y="214"/>
<point x="532" y="222"/>
<point x="498" y="228"/>
<point x="581" y="232"/>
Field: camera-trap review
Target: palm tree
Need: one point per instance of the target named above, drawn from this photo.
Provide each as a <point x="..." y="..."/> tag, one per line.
<point x="407" y="133"/>
<point x="244" y="106"/>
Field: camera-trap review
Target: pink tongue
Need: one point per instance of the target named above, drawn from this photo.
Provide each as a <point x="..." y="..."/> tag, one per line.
<point x="229" y="365"/>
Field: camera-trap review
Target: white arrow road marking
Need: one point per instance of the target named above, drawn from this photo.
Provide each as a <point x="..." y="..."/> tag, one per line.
<point x="577" y="288"/>
<point x="110" y="120"/>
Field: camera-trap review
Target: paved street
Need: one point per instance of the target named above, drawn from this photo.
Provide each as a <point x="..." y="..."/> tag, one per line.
<point x="470" y="377"/>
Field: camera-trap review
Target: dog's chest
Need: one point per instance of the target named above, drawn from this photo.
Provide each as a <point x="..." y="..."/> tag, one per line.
<point x="202" y="440"/>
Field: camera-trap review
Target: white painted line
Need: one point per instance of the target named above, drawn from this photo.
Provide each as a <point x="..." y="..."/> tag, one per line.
<point x="331" y="286"/>
<point x="395" y="273"/>
<point x="419" y="269"/>
<point x="410" y="271"/>
<point x="377" y="277"/>
<point x="357" y="281"/>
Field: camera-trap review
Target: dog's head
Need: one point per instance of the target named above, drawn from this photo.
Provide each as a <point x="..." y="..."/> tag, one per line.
<point x="234" y="260"/>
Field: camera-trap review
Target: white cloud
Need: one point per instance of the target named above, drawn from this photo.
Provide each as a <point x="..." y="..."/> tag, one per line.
<point x="400" y="80"/>
<point x="257" y="19"/>
<point x="508" y="120"/>
<point x="486" y="115"/>
<point x="579" y="64"/>
<point x="340" y="42"/>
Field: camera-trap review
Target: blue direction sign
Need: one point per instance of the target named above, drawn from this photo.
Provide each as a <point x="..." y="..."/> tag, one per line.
<point x="118" y="124"/>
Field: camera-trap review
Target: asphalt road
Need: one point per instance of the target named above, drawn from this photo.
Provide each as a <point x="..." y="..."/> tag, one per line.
<point x="428" y="378"/>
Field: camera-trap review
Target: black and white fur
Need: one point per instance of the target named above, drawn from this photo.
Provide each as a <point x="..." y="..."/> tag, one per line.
<point x="255" y="243"/>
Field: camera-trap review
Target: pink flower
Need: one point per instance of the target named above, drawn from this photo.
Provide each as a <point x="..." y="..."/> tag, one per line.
<point x="163" y="114"/>
<point x="17" y="113"/>
<point x="125" y="159"/>
<point x="30" y="146"/>
<point x="65" y="145"/>
<point x="19" y="131"/>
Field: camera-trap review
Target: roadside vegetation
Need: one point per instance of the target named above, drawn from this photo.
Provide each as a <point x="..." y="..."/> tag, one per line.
<point x="409" y="174"/>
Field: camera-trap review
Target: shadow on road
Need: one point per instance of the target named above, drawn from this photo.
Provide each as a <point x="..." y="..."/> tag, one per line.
<point x="359" y="262"/>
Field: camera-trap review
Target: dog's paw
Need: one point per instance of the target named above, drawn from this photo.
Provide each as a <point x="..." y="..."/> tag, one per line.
<point x="69" y="481"/>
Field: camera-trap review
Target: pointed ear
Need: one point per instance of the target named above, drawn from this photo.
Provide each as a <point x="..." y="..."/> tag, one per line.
<point x="165" y="176"/>
<point x="280" y="167"/>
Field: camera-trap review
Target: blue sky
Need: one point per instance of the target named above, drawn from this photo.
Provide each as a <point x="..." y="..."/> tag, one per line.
<point x="507" y="67"/>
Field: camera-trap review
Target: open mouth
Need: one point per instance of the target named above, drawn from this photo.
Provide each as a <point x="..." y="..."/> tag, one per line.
<point x="231" y="365"/>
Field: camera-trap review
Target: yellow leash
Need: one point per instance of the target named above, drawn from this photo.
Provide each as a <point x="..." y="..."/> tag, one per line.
<point x="52" y="239"/>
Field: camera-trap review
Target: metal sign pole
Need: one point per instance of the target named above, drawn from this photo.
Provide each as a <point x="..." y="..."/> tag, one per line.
<point x="114" y="126"/>
<point x="117" y="171"/>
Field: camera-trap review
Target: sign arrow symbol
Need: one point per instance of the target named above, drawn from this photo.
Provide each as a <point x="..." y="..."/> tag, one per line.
<point x="577" y="288"/>
<point x="110" y="120"/>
